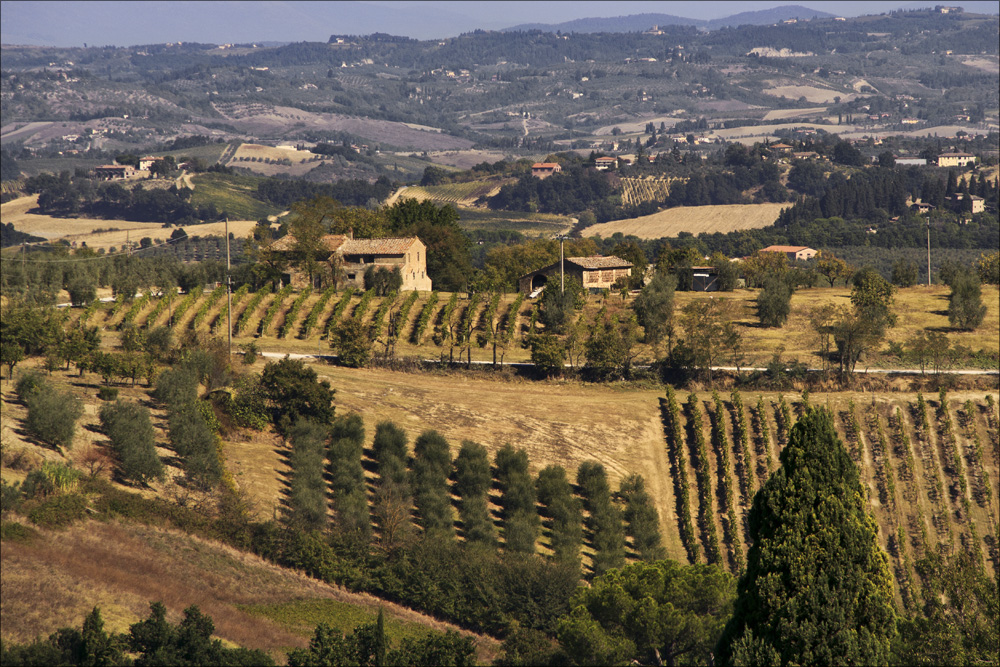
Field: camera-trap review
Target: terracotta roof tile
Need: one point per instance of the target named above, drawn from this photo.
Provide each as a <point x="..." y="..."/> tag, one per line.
<point x="387" y="246"/>
<point x="598" y="262"/>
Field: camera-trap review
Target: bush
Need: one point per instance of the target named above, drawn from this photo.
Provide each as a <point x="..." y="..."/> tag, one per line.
<point x="58" y="511"/>
<point x="774" y="303"/>
<point x="130" y="429"/>
<point x="965" y="303"/>
<point x="108" y="393"/>
<point x="52" y="415"/>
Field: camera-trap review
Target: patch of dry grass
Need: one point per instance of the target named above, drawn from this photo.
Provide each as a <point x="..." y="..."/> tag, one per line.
<point x="693" y="219"/>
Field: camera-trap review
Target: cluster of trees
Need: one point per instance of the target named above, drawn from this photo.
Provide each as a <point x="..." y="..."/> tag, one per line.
<point x="64" y="195"/>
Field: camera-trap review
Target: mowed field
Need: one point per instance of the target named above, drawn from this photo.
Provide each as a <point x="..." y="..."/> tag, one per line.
<point x="693" y="219"/>
<point x="81" y="230"/>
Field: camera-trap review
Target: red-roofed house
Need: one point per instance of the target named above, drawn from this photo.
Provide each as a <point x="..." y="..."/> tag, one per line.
<point x="605" y="163"/>
<point x="793" y="252"/>
<point x="355" y="256"/>
<point x="594" y="272"/>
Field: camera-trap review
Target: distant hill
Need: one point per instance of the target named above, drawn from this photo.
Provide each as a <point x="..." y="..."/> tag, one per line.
<point x="640" y="22"/>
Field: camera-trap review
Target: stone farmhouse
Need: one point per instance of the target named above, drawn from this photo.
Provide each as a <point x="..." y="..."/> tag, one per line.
<point x="793" y="252"/>
<point x="545" y="169"/>
<point x="594" y="273"/>
<point x="354" y="256"/>
<point x="955" y="159"/>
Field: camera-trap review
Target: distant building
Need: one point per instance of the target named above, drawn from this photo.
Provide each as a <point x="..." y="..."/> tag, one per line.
<point x="781" y="148"/>
<point x="978" y="203"/>
<point x="594" y="273"/>
<point x="113" y="172"/>
<point x="793" y="252"/>
<point x="806" y="155"/>
<point x="146" y="162"/>
<point x="605" y="163"/>
<point x="955" y="159"/>
<point x="408" y="255"/>
<point x="704" y="279"/>
<point x="545" y="169"/>
<point x="911" y="162"/>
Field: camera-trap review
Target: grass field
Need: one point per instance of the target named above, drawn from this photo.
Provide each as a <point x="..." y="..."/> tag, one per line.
<point x="231" y="193"/>
<point x="693" y="219"/>
<point x="82" y="230"/>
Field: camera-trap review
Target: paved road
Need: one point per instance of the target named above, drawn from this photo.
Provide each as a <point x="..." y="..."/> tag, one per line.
<point x="519" y="364"/>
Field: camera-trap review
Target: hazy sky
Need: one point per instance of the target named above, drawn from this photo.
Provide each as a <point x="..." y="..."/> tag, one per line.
<point x="63" y="23"/>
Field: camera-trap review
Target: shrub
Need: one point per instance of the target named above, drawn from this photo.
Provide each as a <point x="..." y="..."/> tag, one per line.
<point x="642" y="519"/>
<point x="432" y="495"/>
<point x="347" y="477"/>
<point x="965" y="303"/>
<point x="556" y="495"/>
<point x="52" y="415"/>
<point x="472" y="485"/>
<point x="520" y="516"/>
<point x="108" y="393"/>
<point x="607" y="534"/>
<point x="58" y="511"/>
<point x="774" y="302"/>
<point x="130" y="429"/>
<point x="307" y="492"/>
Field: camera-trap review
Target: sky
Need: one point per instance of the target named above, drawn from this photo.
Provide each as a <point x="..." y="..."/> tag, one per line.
<point x="100" y="22"/>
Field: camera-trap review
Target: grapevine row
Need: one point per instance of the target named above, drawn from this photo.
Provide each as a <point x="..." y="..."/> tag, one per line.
<point x="404" y="311"/>
<point x="186" y="304"/>
<point x="424" y="318"/>
<point x="743" y="437"/>
<point x="705" y="514"/>
<point x="206" y="305"/>
<point x="313" y="317"/>
<point x="362" y="307"/>
<point x="732" y="534"/>
<point x="941" y="521"/>
<point x="675" y="442"/>
<point x="134" y="310"/>
<point x="378" y="322"/>
<point x="223" y="315"/>
<point x="293" y="312"/>
<point x="338" y="310"/>
<point x="161" y="305"/>
<point x="764" y="429"/>
<point x="248" y="312"/>
<point x="273" y="309"/>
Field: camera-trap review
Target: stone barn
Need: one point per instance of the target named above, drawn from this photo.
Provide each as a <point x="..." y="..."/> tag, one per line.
<point x="594" y="273"/>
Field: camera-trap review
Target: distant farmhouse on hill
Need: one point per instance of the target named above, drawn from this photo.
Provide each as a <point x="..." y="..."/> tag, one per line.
<point x="793" y="252"/>
<point x="354" y="257"/>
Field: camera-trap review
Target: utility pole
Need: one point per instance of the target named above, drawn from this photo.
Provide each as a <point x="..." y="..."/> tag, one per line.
<point x="928" y="251"/>
<point x="229" y="294"/>
<point x="562" y="272"/>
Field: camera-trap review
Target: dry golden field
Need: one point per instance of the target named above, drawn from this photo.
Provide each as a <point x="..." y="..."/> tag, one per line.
<point x="81" y="230"/>
<point x="693" y="219"/>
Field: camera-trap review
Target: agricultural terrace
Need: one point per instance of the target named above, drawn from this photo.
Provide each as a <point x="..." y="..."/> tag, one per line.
<point x="268" y="318"/>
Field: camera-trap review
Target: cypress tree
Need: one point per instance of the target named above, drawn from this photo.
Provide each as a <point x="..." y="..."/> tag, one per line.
<point x="393" y="497"/>
<point x="642" y="519"/>
<point x="817" y="589"/>
<point x="431" y="468"/>
<point x="607" y="534"/>
<point x="347" y="477"/>
<point x="520" y="516"/>
<point x="472" y="485"/>
<point x="556" y="495"/>
<point x="307" y="498"/>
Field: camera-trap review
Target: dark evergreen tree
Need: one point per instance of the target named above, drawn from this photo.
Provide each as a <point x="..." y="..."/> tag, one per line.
<point x="307" y="496"/>
<point x="520" y="516"/>
<point x="393" y="495"/>
<point x="774" y="303"/>
<point x="604" y="523"/>
<point x="472" y="485"/>
<point x="965" y="303"/>
<point x="563" y="510"/>
<point x="642" y="519"/>
<point x="817" y="589"/>
<point x="431" y="492"/>
<point x="347" y="478"/>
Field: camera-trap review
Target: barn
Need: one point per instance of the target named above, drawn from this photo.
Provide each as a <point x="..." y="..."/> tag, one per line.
<point x="594" y="273"/>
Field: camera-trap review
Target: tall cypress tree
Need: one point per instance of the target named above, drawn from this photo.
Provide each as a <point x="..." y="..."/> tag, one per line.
<point x="607" y="533"/>
<point x="817" y="589"/>
<point x="393" y="496"/>
<point x="347" y="477"/>
<point x="472" y="485"/>
<point x="431" y="468"/>
<point x="556" y="495"/>
<point x="520" y="516"/>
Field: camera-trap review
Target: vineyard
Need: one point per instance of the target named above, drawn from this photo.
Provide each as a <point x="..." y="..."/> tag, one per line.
<point x="638" y="190"/>
<point x="457" y="194"/>
<point x="301" y="322"/>
<point x="930" y="480"/>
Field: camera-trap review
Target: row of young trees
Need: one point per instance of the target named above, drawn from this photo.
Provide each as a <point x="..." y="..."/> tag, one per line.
<point x="329" y="469"/>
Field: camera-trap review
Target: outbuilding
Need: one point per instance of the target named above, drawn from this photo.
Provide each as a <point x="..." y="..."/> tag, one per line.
<point x="594" y="273"/>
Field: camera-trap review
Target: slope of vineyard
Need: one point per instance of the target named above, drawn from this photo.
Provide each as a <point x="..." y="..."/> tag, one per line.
<point x="638" y="190"/>
<point x="693" y="219"/>
<point x="458" y="194"/>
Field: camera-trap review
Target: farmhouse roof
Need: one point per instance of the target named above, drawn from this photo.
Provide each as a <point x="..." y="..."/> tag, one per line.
<point x="781" y="147"/>
<point x="329" y="241"/>
<point x="546" y="165"/>
<point x="785" y="248"/>
<point x="956" y="155"/>
<point x="599" y="262"/>
<point x="606" y="159"/>
<point x="385" y="246"/>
